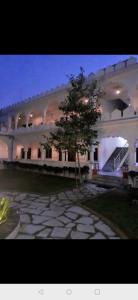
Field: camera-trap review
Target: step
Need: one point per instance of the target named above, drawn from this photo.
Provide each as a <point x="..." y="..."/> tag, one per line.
<point x="109" y="181"/>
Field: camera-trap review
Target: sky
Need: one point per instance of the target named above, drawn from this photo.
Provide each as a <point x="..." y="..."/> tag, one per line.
<point x="23" y="76"/>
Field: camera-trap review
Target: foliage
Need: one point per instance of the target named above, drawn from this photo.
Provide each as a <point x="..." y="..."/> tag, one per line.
<point x="132" y="174"/>
<point x="80" y="111"/>
<point x="57" y="170"/>
<point x="4" y="208"/>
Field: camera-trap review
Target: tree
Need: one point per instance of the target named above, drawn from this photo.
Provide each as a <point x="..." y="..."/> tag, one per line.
<point x="81" y="109"/>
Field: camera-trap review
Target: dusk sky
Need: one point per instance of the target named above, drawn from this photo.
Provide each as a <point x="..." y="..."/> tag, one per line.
<point x="23" y="76"/>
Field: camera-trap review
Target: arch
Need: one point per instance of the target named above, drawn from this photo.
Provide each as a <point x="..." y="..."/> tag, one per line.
<point x="109" y="148"/>
<point x="21" y="120"/>
<point x="53" y="112"/>
<point x="111" y="88"/>
<point x="34" y="118"/>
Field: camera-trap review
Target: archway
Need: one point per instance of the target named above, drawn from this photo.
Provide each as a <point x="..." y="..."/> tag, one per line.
<point x="21" y="122"/>
<point x="113" y="154"/>
<point x="35" y="118"/>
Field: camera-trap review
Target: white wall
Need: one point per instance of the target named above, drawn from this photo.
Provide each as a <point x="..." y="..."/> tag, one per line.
<point x="107" y="146"/>
<point x="3" y="150"/>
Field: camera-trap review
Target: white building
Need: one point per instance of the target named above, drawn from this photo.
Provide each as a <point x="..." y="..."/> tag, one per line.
<point x="22" y="125"/>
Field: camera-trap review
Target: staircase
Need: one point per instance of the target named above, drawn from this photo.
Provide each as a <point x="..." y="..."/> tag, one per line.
<point x="116" y="159"/>
<point x="107" y="181"/>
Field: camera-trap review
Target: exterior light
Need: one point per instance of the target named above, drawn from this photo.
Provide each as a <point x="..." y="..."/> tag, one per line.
<point x="19" y="118"/>
<point x="31" y="115"/>
<point x="129" y="104"/>
<point x="86" y="101"/>
<point x="118" y="92"/>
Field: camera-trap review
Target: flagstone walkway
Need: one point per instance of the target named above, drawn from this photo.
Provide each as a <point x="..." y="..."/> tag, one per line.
<point x="59" y="216"/>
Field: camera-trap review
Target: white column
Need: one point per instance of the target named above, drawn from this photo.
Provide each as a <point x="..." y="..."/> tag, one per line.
<point x="132" y="157"/>
<point x="27" y="119"/>
<point x="10" y="149"/>
<point x="9" y="122"/>
<point x="44" y="115"/>
<point x="66" y="155"/>
<point x="25" y="152"/>
<point x="16" y="121"/>
<point x="43" y="153"/>
<point x="91" y="161"/>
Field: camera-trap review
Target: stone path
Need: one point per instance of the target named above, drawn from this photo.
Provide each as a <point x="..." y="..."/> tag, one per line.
<point x="59" y="216"/>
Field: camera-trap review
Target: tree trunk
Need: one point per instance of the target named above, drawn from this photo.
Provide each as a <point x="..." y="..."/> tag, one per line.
<point x="78" y="158"/>
<point x="76" y="174"/>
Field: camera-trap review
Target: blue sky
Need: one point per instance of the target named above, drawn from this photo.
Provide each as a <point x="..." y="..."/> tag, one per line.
<point x="23" y="76"/>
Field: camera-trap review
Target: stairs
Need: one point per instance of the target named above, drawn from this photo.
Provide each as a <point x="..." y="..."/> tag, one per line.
<point x="107" y="181"/>
<point x="116" y="159"/>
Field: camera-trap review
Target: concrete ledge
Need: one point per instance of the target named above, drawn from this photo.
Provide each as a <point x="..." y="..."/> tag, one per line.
<point x="10" y="228"/>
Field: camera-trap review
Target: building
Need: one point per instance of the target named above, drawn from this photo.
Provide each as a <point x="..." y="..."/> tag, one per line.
<point x="23" y="124"/>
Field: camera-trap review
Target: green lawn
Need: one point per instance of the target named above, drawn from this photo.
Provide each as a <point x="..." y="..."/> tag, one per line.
<point x="22" y="181"/>
<point x="117" y="207"/>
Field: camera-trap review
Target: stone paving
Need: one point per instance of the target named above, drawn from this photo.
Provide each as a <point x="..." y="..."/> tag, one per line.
<point x="59" y="216"/>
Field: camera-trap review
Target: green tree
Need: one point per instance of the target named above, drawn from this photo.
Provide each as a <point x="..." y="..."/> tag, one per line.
<point x="80" y="111"/>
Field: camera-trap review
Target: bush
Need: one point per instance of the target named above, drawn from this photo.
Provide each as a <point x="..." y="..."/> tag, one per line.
<point x="57" y="170"/>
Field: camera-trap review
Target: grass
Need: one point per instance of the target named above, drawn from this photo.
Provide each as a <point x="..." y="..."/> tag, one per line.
<point x="117" y="207"/>
<point x="22" y="181"/>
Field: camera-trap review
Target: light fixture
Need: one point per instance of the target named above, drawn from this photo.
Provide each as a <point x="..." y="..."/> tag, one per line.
<point x="129" y="104"/>
<point x="31" y="115"/>
<point x="19" y="118"/>
<point x="86" y="100"/>
<point x="118" y="92"/>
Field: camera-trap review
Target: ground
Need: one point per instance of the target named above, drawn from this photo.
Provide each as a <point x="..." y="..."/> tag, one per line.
<point x="58" y="216"/>
<point x="23" y="181"/>
<point x="118" y="207"/>
<point x="51" y="207"/>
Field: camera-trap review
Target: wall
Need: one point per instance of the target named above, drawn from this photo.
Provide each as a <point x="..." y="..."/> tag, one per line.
<point x="107" y="146"/>
<point x="3" y="150"/>
<point x="37" y="121"/>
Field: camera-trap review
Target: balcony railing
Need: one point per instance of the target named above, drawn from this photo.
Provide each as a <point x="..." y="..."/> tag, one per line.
<point x="33" y="128"/>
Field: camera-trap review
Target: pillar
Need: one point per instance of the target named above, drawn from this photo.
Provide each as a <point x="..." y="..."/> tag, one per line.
<point x="25" y="152"/>
<point x="16" y="121"/>
<point x="9" y="122"/>
<point x="91" y="161"/>
<point x="132" y="157"/>
<point x="44" y="116"/>
<point x="43" y="153"/>
<point x="63" y="155"/>
<point x="10" y="149"/>
<point x="27" y="119"/>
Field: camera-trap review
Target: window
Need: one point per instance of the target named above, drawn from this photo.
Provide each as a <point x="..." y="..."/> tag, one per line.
<point x="60" y="155"/>
<point x="96" y="154"/>
<point x="39" y="153"/>
<point x="29" y="153"/>
<point x="136" y="155"/>
<point x="22" y="153"/>
<point x="49" y="153"/>
<point x="88" y="153"/>
<point x="71" y="156"/>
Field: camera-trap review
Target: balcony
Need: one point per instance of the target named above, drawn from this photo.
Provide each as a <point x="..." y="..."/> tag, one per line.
<point x="33" y="128"/>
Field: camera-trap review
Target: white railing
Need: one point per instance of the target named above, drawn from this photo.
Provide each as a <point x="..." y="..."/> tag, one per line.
<point x="121" y="155"/>
<point x="33" y="128"/>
